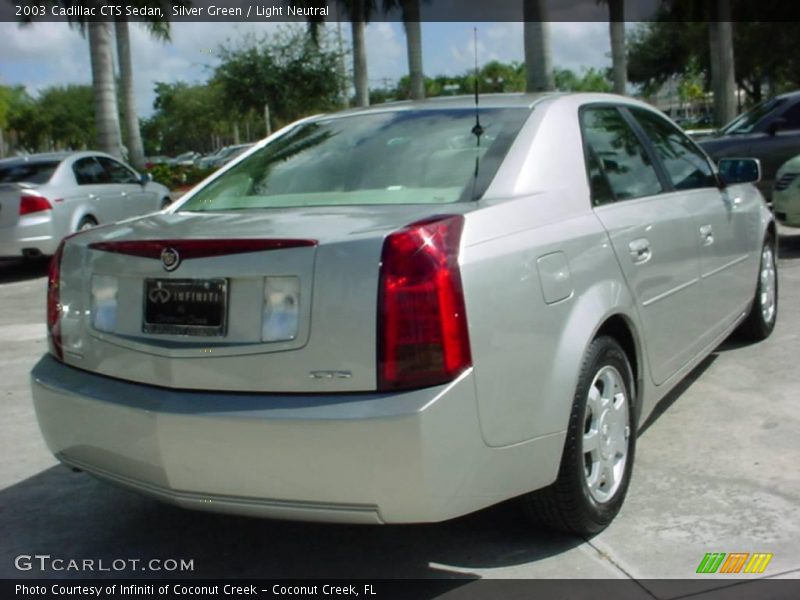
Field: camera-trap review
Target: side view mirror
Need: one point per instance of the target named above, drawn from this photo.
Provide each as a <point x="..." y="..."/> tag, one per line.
<point x="145" y="178"/>
<point x="777" y="125"/>
<point x="739" y="170"/>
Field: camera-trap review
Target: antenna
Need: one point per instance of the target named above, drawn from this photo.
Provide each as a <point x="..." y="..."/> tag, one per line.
<point x="477" y="131"/>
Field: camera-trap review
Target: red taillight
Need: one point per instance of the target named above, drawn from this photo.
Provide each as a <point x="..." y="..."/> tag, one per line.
<point x="422" y="322"/>
<point x="30" y="203"/>
<point x="54" y="304"/>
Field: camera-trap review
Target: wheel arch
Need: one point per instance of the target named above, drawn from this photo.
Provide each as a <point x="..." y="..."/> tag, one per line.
<point x="619" y="327"/>
<point x="81" y="216"/>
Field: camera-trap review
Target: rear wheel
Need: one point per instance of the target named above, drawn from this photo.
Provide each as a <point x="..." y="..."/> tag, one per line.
<point x="598" y="453"/>
<point x="761" y="321"/>
<point x="86" y="223"/>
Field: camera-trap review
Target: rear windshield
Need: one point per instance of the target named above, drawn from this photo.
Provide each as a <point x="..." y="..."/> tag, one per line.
<point x="27" y="172"/>
<point x="400" y="157"/>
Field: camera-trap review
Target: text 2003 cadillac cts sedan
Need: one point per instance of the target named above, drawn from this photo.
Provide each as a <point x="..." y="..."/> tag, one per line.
<point x="407" y="313"/>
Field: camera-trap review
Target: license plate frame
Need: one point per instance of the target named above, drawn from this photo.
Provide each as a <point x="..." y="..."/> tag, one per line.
<point x="184" y="301"/>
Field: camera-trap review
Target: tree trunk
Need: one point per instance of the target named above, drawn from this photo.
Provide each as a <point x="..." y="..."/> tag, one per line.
<point x="723" y="79"/>
<point x="106" y="113"/>
<point x="2" y="144"/>
<point x="538" y="57"/>
<point x="342" y="65"/>
<point x="616" y="13"/>
<point x="411" y="21"/>
<point x="726" y="64"/>
<point x="360" y="56"/>
<point x="133" y="136"/>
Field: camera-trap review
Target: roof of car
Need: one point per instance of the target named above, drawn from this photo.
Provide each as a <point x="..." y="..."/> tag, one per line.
<point x="513" y="100"/>
<point x="50" y="156"/>
<point x="457" y="102"/>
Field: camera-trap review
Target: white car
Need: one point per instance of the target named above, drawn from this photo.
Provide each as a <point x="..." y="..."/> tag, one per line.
<point x="45" y="197"/>
<point x="407" y="313"/>
<point x="786" y="193"/>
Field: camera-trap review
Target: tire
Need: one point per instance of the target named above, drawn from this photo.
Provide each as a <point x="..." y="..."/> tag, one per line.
<point x="761" y="320"/>
<point x="591" y="485"/>
<point x="86" y="223"/>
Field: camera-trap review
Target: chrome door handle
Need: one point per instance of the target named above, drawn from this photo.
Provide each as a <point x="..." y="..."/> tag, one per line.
<point x="640" y="251"/>
<point x="92" y="196"/>
<point x="123" y="194"/>
<point x="707" y="235"/>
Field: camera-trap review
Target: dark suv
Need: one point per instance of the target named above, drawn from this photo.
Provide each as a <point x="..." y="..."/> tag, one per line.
<point x="770" y="131"/>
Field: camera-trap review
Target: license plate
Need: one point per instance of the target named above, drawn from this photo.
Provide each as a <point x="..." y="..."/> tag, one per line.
<point x="185" y="306"/>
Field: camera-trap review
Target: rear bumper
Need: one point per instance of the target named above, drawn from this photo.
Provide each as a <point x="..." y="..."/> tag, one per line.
<point x="32" y="235"/>
<point x="367" y="458"/>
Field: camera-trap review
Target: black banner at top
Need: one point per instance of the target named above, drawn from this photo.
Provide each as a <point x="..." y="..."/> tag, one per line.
<point x="255" y="11"/>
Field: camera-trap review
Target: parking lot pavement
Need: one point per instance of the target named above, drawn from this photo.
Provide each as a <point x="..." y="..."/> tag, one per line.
<point x="716" y="471"/>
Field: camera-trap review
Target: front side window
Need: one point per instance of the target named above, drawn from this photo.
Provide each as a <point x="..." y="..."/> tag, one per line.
<point x="686" y="166"/>
<point x="746" y="122"/>
<point x="393" y="157"/>
<point x="614" y="150"/>
<point x="792" y="116"/>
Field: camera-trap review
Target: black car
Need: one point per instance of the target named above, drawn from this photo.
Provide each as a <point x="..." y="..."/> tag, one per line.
<point x="770" y="131"/>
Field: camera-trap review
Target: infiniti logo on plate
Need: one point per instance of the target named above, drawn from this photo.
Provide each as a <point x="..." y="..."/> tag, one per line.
<point x="170" y="259"/>
<point x="159" y="296"/>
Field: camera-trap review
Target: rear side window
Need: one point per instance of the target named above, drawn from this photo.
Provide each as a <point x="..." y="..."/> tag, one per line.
<point x="426" y="156"/>
<point x="618" y="154"/>
<point x="89" y="172"/>
<point x="25" y="172"/>
<point x="686" y="166"/>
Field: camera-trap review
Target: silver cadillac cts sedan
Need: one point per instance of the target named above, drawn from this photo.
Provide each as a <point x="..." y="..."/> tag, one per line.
<point x="408" y="313"/>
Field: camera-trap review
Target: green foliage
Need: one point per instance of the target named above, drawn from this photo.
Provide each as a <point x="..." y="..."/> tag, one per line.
<point x="174" y="176"/>
<point x="187" y="117"/>
<point x="592" y="80"/>
<point x="765" y="51"/>
<point x="61" y="117"/>
<point x="289" y="71"/>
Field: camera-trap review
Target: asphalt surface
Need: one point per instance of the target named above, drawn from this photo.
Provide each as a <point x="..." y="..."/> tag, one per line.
<point x="716" y="471"/>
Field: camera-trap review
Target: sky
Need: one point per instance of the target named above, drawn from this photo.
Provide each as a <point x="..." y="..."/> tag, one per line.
<point x="46" y="54"/>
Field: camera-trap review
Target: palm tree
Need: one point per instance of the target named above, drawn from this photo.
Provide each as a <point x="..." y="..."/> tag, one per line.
<point x="133" y="136"/>
<point x="360" y="79"/>
<point x="410" y="10"/>
<point x="105" y="94"/>
<point x="616" y="26"/>
<point x="538" y="56"/>
<point x="722" y="63"/>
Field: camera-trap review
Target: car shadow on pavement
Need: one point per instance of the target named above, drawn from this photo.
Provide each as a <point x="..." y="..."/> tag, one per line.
<point x="673" y="395"/>
<point x="788" y="243"/>
<point x="72" y="516"/>
<point x="12" y="270"/>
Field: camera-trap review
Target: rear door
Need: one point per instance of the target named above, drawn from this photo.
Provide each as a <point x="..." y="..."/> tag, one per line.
<point x="652" y="233"/>
<point x="94" y="189"/>
<point x="724" y="221"/>
<point x="130" y="198"/>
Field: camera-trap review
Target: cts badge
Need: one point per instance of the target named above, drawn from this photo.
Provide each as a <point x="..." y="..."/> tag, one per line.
<point x="170" y="259"/>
